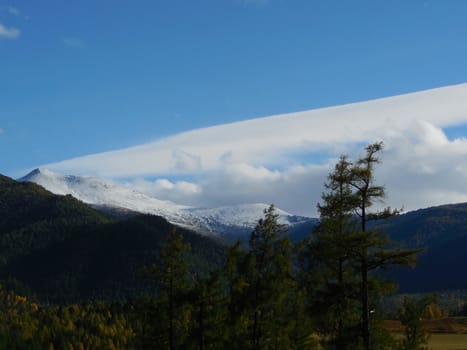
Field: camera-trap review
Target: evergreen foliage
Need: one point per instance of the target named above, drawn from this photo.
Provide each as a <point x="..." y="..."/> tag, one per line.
<point x="266" y="305"/>
<point x="172" y="276"/>
<point x="344" y="253"/>
<point x="375" y="251"/>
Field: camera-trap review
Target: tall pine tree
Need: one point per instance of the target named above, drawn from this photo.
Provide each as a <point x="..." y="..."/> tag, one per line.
<point x="335" y="297"/>
<point x="347" y="254"/>
<point x="375" y="250"/>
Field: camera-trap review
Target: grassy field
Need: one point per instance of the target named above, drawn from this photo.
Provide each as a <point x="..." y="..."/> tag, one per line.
<point x="445" y="334"/>
<point x="448" y="342"/>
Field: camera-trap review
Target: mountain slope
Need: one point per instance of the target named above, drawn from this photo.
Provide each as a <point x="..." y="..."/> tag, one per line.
<point x="31" y="218"/>
<point x="230" y="221"/>
<point x="61" y="250"/>
<point x="442" y="231"/>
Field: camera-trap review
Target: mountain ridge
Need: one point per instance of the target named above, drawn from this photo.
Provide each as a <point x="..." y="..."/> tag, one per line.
<point x="234" y="220"/>
<point x="41" y="238"/>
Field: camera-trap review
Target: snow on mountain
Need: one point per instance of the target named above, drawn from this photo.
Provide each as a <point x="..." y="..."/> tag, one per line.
<point x="227" y="220"/>
<point x="100" y="192"/>
<point x="240" y="215"/>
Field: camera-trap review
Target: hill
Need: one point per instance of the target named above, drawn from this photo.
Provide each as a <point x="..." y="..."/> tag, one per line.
<point x="62" y="250"/>
<point x="442" y="231"/>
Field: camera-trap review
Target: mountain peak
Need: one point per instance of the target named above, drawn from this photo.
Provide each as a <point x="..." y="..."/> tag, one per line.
<point x="37" y="172"/>
<point x="31" y="174"/>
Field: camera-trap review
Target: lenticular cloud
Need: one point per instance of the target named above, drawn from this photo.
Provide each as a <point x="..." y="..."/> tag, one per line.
<point x="268" y="159"/>
<point x="270" y="140"/>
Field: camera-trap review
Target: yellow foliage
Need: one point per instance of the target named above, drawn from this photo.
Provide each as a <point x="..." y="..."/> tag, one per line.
<point x="34" y="307"/>
<point x="434" y="312"/>
<point x="20" y="300"/>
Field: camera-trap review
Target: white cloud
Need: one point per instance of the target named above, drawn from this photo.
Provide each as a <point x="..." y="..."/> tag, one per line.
<point x="73" y="42"/>
<point x="1" y="131"/>
<point x="9" y="33"/>
<point x="296" y="189"/>
<point x="261" y="160"/>
<point x="183" y="192"/>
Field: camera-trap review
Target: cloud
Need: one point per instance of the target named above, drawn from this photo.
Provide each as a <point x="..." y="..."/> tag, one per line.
<point x="265" y="159"/>
<point x="291" y="189"/>
<point x="183" y="192"/>
<point x="186" y="162"/>
<point x="2" y="131"/>
<point x="73" y="42"/>
<point x="423" y="168"/>
<point x="417" y="169"/>
<point x="279" y="141"/>
<point x="9" y="33"/>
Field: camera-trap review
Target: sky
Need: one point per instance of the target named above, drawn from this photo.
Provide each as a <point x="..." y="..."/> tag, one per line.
<point x="119" y="79"/>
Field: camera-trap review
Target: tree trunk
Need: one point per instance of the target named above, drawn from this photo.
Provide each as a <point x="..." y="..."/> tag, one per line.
<point x="364" y="292"/>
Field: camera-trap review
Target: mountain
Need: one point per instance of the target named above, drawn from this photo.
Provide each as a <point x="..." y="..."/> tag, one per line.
<point x="442" y="231"/>
<point x="45" y="237"/>
<point x="229" y="221"/>
<point x="61" y="250"/>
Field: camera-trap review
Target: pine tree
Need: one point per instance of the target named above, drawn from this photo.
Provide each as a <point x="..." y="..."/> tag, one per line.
<point x="209" y="302"/>
<point x="346" y="253"/>
<point x="335" y="298"/>
<point x="260" y="283"/>
<point x="173" y="278"/>
<point x="269" y="278"/>
<point x="375" y="250"/>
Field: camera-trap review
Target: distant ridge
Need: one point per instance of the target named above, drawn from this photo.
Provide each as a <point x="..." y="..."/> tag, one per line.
<point x="232" y="221"/>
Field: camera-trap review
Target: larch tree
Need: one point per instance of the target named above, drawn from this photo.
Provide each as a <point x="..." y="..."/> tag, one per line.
<point x="375" y="251"/>
<point x="348" y="254"/>
<point x="335" y="235"/>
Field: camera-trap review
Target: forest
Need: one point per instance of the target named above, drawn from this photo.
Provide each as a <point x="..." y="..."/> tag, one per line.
<point x="323" y="292"/>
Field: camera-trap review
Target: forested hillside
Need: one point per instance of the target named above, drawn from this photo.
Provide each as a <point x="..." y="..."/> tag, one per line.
<point x="60" y="250"/>
<point x="442" y="232"/>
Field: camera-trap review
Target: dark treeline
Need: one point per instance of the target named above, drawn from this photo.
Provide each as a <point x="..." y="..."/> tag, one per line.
<point x="321" y="293"/>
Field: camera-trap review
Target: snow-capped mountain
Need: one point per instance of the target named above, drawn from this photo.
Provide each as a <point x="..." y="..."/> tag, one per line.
<point x="226" y="220"/>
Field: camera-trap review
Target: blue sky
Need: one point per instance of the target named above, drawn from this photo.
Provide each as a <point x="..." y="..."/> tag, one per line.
<point x="84" y="77"/>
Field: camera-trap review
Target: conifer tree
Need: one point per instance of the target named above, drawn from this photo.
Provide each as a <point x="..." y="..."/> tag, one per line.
<point x="260" y="286"/>
<point x="209" y="321"/>
<point x="346" y="252"/>
<point x="172" y="275"/>
<point x="375" y="250"/>
<point x="335" y="298"/>
<point x="269" y="278"/>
